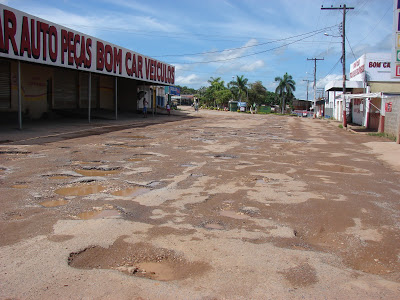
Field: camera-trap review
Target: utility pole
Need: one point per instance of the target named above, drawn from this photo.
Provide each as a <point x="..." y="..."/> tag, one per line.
<point x="308" y="81"/>
<point x="315" y="79"/>
<point x="344" y="8"/>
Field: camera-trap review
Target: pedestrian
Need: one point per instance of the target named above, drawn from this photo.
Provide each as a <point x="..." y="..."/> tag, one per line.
<point x="145" y="107"/>
<point x="168" y="109"/>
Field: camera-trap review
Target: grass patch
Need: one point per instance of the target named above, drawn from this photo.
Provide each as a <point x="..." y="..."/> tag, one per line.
<point x="383" y="135"/>
<point x="340" y="126"/>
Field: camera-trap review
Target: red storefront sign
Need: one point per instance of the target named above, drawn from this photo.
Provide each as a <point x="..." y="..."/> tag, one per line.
<point x="388" y="106"/>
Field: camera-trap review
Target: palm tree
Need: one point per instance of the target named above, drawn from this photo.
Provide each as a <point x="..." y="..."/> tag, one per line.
<point x="216" y="83"/>
<point x="241" y="85"/>
<point x="286" y="87"/>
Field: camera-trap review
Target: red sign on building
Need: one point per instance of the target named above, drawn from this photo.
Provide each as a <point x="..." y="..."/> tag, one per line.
<point x="388" y="106"/>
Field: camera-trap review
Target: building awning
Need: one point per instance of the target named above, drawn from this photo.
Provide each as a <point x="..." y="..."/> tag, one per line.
<point x="337" y="85"/>
<point x="368" y="95"/>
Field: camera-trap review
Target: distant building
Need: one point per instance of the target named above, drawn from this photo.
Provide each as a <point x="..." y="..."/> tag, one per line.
<point x="370" y="78"/>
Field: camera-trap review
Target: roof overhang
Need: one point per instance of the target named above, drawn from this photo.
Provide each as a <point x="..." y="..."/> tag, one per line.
<point x="337" y="85"/>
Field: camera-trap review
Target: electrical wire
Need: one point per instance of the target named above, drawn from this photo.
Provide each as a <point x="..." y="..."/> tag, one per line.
<point x="351" y="48"/>
<point x="244" y="47"/>
<point x="251" y="54"/>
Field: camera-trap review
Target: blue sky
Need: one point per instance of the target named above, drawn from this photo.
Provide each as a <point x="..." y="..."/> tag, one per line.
<point x="225" y="38"/>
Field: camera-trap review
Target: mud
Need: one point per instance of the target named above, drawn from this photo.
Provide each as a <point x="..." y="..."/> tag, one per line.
<point x="217" y="205"/>
<point x="140" y="259"/>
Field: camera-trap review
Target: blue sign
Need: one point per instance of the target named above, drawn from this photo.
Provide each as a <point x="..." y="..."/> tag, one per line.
<point x="173" y="90"/>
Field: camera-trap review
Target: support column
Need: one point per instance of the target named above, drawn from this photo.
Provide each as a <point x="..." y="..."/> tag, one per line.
<point x="19" y="97"/>
<point x="398" y="129"/>
<point x="89" y="95"/>
<point x="154" y="99"/>
<point x="116" y="98"/>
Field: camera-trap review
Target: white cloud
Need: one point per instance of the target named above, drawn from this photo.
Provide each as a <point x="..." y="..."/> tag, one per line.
<point x="323" y="81"/>
<point x="186" y="80"/>
<point x="253" y="66"/>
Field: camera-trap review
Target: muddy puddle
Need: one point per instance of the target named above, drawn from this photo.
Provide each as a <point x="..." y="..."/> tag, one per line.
<point x="54" y="203"/>
<point x="97" y="171"/>
<point x="131" y="192"/>
<point x="139" y="157"/>
<point x="19" y="186"/>
<point x="99" y="214"/>
<point x="140" y="259"/>
<point x="80" y="190"/>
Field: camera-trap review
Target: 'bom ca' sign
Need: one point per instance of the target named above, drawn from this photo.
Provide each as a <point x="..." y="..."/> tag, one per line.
<point x="396" y="44"/>
<point x="28" y="38"/>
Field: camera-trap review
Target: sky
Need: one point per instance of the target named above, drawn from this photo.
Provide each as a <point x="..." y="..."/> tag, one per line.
<point x="259" y="39"/>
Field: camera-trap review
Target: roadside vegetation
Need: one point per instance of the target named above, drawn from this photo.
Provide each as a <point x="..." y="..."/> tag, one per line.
<point x="383" y="135"/>
<point x="218" y="94"/>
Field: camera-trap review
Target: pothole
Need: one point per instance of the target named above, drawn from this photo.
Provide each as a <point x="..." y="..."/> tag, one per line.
<point x="213" y="225"/>
<point x="14" y="152"/>
<point x="81" y="190"/>
<point x="140" y="259"/>
<point x="98" y="171"/>
<point x="139" y="157"/>
<point x="99" y="214"/>
<point x="224" y="156"/>
<point x="19" y="186"/>
<point x="131" y="192"/>
<point x="60" y="175"/>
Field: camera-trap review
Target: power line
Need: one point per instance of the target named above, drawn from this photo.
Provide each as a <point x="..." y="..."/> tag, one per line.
<point x="244" y="47"/>
<point x="376" y="25"/>
<point x="350" y="47"/>
<point x="251" y="54"/>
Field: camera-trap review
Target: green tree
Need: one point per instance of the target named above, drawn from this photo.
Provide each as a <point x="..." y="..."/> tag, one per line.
<point x="257" y="93"/>
<point x="286" y="87"/>
<point x="222" y="97"/>
<point x="241" y="85"/>
<point x="216" y="84"/>
<point x="271" y="99"/>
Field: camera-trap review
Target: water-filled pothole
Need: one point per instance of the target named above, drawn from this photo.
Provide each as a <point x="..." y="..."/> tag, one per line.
<point x="99" y="214"/>
<point x="80" y="190"/>
<point x="98" y="171"/>
<point x="19" y="186"/>
<point x="131" y="192"/>
<point x="94" y="172"/>
<point x="140" y="259"/>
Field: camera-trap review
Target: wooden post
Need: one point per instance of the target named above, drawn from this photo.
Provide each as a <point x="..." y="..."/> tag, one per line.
<point x="116" y="98"/>
<point x="398" y="128"/>
<point x="89" y="95"/>
<point x="19" y="97"/>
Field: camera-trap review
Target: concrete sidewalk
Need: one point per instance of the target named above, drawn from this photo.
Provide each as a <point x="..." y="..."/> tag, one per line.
<point x="45" y="131"/>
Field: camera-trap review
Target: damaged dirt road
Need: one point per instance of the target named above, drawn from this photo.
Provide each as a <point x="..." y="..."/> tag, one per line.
<point x="217" y="206"/>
